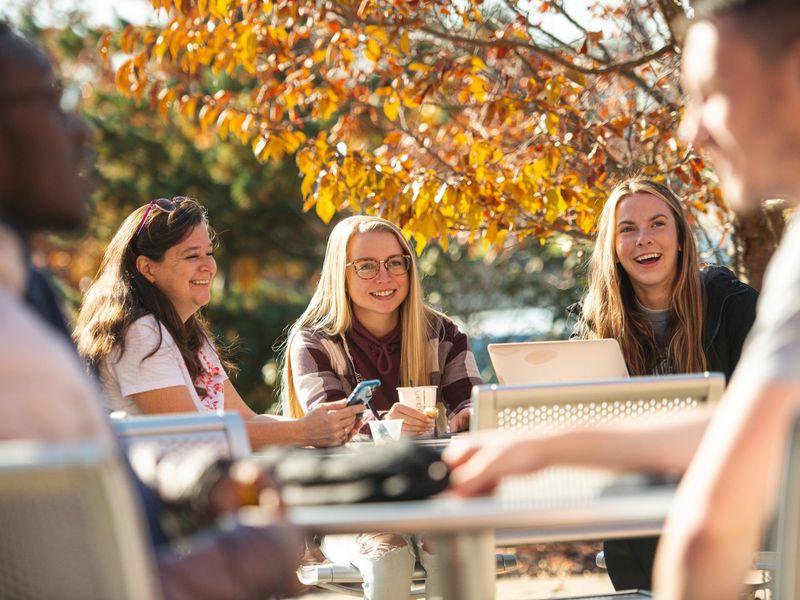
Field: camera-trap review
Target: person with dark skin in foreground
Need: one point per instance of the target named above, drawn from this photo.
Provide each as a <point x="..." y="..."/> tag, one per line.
<point x="741" y="73"/>
<point x="46" y="396"/>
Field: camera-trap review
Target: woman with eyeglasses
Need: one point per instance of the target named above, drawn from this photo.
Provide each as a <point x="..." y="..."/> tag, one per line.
<point x="367" y="320"/>
<point x="140" y="329"/>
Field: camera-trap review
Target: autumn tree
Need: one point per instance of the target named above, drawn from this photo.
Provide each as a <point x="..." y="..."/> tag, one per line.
<point x="483" y="121"/>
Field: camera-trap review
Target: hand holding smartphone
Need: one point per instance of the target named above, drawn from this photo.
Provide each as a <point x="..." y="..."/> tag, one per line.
<point x="363" y="392"/>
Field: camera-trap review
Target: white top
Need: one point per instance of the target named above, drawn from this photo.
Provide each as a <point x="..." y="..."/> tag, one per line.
<point x="772" y="349"/>
<point x="135" y="372"/>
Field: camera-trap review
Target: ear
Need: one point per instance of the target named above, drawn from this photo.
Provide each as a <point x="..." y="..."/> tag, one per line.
<point x="145" y="266"/>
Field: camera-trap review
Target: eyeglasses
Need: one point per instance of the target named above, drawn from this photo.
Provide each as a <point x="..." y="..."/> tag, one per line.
<point x="164" y="204"/>
<point x="368" y="268"/>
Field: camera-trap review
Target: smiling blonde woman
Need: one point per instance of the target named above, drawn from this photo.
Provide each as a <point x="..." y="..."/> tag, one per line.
<point x="367" y="320"/>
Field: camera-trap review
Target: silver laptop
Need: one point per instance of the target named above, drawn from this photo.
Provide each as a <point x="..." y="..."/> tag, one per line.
<point x="526" y="363"/>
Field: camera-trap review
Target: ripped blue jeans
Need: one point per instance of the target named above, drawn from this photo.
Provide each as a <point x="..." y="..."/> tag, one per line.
<point x="386" y="562"/>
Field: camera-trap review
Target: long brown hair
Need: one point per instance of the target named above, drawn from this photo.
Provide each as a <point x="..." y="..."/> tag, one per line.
<point x="610" y="309"/>
<point x="120" y="294"/>
<point x="329" y="310"/>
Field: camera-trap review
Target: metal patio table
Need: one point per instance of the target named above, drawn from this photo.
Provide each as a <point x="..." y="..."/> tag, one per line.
<point x="556" y="504"/>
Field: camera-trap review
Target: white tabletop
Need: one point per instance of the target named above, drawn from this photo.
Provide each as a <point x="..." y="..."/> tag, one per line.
<point x="557" y="504"/>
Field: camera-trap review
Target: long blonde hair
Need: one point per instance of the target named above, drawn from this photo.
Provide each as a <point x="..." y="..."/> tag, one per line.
<point x="609" y="307"/>
<point x="329" y="310"/>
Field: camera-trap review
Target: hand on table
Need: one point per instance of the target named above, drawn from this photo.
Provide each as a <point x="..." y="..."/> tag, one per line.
<point x="414" y="421"/>
<point x="245" y="484"/>
<point x="331" y="423"/>
<point x="479" y="462"/>
<point x="460" y="420"/>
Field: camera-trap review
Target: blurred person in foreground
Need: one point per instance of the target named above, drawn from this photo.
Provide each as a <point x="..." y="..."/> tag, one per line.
<point x="45" y="394"/>
<point x="741" y="71"/>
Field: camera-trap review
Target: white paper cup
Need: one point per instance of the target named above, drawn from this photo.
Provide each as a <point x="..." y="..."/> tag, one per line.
<point x="419" y="397"/>
<point x="388" y="427"/>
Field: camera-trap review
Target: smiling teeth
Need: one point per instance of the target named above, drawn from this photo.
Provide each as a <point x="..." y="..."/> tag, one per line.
<point x="200" y="281"/>
<point x="646" y="256"/>
<point x="384" y="293"/>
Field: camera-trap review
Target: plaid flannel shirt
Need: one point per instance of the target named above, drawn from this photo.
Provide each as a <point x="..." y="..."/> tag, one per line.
<point x="323" y="372"/>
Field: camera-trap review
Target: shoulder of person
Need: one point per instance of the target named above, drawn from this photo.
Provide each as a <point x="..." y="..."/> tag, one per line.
<point x="148" y="325"/>
<point x="313" y="338"/>
<point x="145" y="332"/>
<point x="720" y="282"/>
<point x="442" y="327"/>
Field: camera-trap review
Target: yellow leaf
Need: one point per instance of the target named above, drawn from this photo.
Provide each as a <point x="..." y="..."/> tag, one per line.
<point x="373" y="51"/>
<point x="555" y="205"/>
<point x="378" y="33"/>
<point x="491" y="232"/>
<point x="419" y="67"/>
<point x="585" y="221"/>
<point x="391" y="106"/>
<point x="477" y="64"/>
<point x="208" y="115"/>
<point x="325" y="207"/>
<point x="123" y="76"/>
<point x="219" y="8"/>
<point x="260" y="147"/>
<point x="405" y="43"/>
<point x="319" y="55"/>
<point x="420" y="241"/>
<point x="347" y="55"/>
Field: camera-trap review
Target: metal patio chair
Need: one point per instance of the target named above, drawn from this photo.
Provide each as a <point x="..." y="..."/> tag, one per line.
<point x="556" y="406"/>
<point x="224" y="432"/>
<point x="71" y="525"/>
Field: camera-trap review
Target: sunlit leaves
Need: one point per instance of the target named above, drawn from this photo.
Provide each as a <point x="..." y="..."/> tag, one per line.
<point x="451" y="121"/>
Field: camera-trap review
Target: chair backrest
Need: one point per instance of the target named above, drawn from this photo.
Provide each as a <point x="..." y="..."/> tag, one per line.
<point x="788" y="532"/>
<point x="71" y="526"/>
<point x="224" y="432"/>
<point x="546" y="407"/>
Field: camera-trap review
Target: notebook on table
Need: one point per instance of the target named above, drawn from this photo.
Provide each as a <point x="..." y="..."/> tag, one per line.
<point x="525" y="363"/>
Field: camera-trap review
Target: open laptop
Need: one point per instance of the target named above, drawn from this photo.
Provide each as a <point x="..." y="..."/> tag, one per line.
<point x="525" y="363"/>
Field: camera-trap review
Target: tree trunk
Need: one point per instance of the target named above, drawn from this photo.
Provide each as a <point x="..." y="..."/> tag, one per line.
<point x="756" y="237"/>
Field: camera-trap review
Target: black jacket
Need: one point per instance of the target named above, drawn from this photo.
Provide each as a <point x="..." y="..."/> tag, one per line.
<point x="730" y="313"/>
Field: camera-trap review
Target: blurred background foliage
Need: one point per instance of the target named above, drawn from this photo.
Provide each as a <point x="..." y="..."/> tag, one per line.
<point x="269" y="251"/>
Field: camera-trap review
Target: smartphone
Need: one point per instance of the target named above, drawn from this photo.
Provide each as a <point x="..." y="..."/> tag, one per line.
<point x="363" y="392"/>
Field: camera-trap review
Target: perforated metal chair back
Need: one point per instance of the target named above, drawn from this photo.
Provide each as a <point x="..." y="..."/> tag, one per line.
<point x="788" y="558"/>
<point x="225" y="433"/>
<point x="546" y="407"/>
<point x="71" y="527"/>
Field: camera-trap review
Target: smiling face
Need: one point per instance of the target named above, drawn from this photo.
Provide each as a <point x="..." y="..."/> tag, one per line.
<point x="646" y="243"/>
<point x="185" y="272"/>
<point x="742" y="109"/>
<point x="378" y="299"/>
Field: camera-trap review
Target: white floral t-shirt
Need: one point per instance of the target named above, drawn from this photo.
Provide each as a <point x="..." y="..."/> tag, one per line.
<point x="132" y="373"/>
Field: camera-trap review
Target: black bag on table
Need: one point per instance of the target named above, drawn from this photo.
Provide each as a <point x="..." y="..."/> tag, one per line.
<point x="393" y="472"/>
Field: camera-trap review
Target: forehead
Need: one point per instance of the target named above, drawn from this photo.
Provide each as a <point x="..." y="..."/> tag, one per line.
<point x="718" y="55"/>
<point x="641" y="206"/>
<point x="373" y="244"/>
<point x="22" y="65"/>
<point x="198" y="236"/>
<point x="700" y="54"/>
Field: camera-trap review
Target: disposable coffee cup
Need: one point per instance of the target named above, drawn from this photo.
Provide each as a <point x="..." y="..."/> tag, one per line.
<point x="421" y="398"/>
